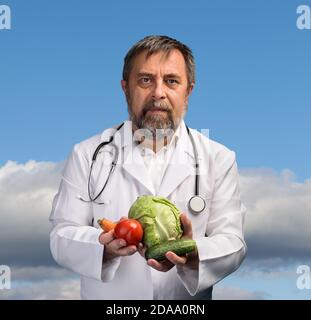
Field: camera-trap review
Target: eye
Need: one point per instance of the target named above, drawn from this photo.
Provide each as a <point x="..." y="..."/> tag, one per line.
<point x="145" y="80"/>
<point x="171" y="81"/>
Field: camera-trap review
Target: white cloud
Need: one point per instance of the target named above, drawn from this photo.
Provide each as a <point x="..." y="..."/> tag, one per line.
<point x="40" y="273"/>
<point x="232" y="293"/>
<point x="26" y="193"/>
<point x="68" y="289"/>
<point x="255" y="270"/>
<point x="277" y="227"/>
<point x="42" y="282"/>
<point x="278" y="282"/>
<point x="278" y="220"/>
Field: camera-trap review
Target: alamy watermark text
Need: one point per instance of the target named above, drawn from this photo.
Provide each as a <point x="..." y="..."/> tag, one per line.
<point x="5" y="277"/>
<point x="5" y="17"/>
<point x="304" y="17"/>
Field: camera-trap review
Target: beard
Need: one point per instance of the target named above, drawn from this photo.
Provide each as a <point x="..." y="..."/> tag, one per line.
<point x="155" y="126"/>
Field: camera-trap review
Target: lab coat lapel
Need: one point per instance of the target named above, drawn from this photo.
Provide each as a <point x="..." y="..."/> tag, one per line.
<point x="133" y="162"/>
<point x="180" y="166"/>
<point x="134" y="165"/>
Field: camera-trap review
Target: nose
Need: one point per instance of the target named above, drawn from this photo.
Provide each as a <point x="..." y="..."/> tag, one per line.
<point x="158" y="91"/>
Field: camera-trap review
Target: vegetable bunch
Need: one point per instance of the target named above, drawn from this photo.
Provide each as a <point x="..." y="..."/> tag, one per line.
<point x="160" y="219"/>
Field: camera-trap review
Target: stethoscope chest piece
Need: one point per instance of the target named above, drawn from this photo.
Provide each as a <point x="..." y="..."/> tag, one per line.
<point x="196" y="204"/>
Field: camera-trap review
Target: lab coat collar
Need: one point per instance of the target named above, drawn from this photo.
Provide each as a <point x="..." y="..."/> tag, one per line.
<point x="124" y="137"/>
<point x="181" y="134"/>
<point x="133" y="162"/>
<point x="177" y="170"/>
<point x="180" y="166"/>
<point x="129" y="157"/>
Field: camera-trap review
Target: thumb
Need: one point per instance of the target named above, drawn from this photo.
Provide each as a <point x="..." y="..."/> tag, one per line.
<point x="187" y="226"/>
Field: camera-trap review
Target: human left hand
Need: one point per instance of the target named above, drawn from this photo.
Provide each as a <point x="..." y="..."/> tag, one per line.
<point x="190" y="260"/>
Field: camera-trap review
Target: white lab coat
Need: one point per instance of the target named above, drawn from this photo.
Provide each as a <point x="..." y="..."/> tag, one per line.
<point x="218" y="230"/>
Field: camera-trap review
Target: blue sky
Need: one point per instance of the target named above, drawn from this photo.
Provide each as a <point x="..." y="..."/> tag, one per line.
<point x="60" y="71"/>
<point x="61" y="64"/>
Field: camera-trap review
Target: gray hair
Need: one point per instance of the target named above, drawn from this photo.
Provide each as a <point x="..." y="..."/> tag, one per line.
<point x="154" y="44"/>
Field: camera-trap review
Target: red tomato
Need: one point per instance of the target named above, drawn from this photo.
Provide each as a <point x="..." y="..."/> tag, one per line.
<point x="130" y="230"/>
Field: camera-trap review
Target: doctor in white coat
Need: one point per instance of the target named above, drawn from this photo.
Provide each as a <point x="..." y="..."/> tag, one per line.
<point x="155" y="156"/>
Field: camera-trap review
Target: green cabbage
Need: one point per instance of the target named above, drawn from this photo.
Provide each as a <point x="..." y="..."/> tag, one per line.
<point x="159" y="218"/>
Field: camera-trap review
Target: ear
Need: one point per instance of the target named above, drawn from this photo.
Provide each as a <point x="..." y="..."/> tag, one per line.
<point x="124" y="86"/>
<point x="191" y="86"/>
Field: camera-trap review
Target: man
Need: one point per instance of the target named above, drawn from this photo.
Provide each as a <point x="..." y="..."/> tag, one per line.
<point x="156" y="156"/>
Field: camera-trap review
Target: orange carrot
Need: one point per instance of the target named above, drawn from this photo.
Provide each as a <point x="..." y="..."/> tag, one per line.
<point x="106" y="224"/>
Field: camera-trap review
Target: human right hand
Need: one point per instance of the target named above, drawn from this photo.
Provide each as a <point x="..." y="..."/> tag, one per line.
<point x="190" y="260"/>
<point x="115" y="247"/>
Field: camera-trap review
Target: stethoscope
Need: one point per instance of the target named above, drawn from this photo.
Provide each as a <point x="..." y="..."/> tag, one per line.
<point x="196" y="203"/>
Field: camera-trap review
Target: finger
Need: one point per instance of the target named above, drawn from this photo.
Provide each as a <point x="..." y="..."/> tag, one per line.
<point x="187" y="226"/>
<point x="141" y="249"/>
<point x="160" y="266"/>
<point x="175" y="259"/>
<point x="117" y="244"/>
<point x="106" y="237"/>
<point x="127" y="251"/>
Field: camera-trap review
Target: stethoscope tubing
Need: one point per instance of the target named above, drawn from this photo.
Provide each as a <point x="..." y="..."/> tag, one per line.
<point x="196" y="199"/>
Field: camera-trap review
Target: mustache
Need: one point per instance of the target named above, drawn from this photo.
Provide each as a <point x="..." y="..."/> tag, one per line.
<point x="159" y="105"/>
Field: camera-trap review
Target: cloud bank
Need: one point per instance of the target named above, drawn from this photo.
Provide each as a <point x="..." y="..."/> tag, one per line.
<point x="278" y="220"/>
<point x="26" y="194"/>
<point x="232" y="293"/>
<point x="277" y="227"/>
<point x="42" y="283"/>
